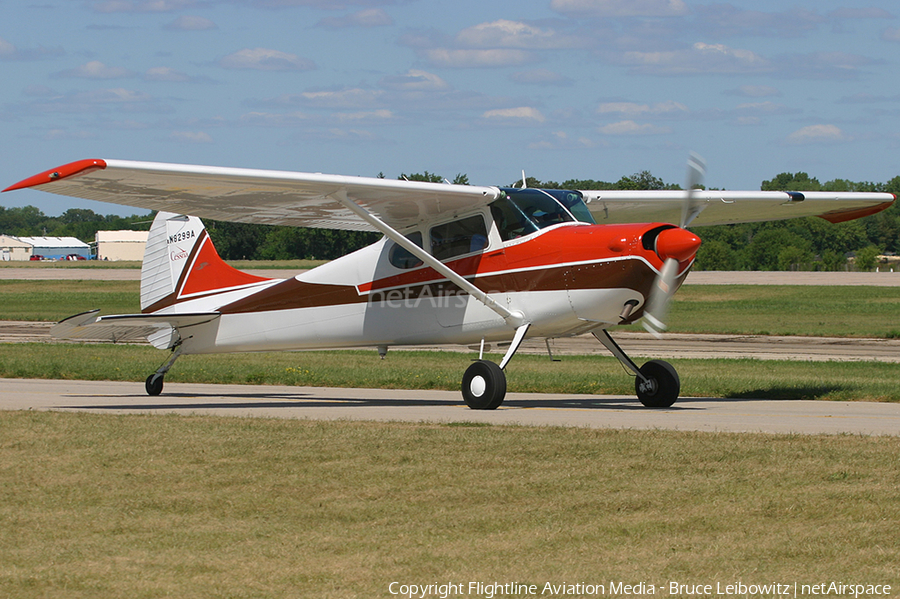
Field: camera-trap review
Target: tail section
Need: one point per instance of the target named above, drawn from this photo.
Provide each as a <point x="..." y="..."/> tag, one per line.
<point x="181" y="263"/>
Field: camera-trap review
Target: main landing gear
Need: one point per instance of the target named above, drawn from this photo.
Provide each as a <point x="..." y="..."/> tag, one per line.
<point x="484" y="383"/>
<point x="656" y="383"/>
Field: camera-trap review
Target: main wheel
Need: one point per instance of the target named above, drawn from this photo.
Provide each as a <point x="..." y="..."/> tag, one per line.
<point x="662" y="386"/>
<point x="484" y="385"/>
<point x="154" y="384"/>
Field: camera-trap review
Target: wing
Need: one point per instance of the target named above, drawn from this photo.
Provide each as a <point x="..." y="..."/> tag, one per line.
<point x="258" y="196"/>
<point x="727" y="207"/>
<point x="161" y="330"/>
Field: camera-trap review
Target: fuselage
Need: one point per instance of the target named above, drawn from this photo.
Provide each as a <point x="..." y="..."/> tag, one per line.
<point x="565" y="274"/>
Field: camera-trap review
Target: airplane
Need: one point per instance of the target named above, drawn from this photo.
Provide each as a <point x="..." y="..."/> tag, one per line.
<point x="457" y="264"/>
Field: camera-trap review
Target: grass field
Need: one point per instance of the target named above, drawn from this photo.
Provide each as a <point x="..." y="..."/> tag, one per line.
<point x="846" y="381"/>
<point x="136" y="264"/>
<point x="734" y="309"/>
<point x="100" y="506"/>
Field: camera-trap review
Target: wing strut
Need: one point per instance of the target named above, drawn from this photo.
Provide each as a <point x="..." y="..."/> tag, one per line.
<point x="513" y="317"/>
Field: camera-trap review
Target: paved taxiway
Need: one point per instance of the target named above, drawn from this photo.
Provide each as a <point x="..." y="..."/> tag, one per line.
<point x="590" y="411"/>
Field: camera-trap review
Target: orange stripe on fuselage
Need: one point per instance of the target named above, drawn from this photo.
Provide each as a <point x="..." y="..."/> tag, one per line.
<point x="562" y="245"/>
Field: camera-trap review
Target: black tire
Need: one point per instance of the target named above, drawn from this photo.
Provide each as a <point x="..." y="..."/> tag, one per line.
<point x="483" y="386"/>
<point x="154" y="384"/>
<point x="663" y="387"/>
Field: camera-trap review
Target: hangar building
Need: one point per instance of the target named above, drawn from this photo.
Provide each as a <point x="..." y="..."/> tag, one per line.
<point x="51" y="248"/>
<point x="121" y="245"/>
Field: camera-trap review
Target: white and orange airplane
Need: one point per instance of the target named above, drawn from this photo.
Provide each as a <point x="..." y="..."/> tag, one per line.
<point x="458" y="264"/>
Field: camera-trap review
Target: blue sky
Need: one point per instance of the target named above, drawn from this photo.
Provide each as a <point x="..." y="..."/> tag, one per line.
<point x="560" y="88"/>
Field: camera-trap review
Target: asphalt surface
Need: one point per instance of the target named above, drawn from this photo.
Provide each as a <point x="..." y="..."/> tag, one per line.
<point x="589" y="411"/>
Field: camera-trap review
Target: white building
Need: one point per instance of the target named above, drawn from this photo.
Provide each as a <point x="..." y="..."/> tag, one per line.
<point x="121" y="245"/>
<point x="13" y="248"/>
<point x="51" y="248"/>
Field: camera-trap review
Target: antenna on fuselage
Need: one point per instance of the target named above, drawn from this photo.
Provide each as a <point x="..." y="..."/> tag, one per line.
<point x="524" y="182"/>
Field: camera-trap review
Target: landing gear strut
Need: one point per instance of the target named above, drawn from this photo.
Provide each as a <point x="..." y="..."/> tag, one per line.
<point x="656" y="384"/>
<point x="154" y="382"/>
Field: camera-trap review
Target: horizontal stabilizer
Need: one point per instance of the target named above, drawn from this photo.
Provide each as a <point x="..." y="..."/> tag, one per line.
<point x="162" y="330"/>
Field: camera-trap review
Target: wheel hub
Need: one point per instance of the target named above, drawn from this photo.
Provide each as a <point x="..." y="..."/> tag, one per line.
<point x="649" y="387"/>
<point x="478" y="386"/>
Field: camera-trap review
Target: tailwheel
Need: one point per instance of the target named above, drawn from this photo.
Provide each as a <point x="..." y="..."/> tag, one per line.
<point x="662" y="386"/>
<point x="484" y="385"/>
<point x="154" y="384"/>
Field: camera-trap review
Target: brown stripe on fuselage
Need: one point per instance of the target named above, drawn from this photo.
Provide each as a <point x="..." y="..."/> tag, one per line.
<point x="293" y="294"/>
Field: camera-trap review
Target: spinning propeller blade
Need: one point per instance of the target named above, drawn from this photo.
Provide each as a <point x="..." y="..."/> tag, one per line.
<point x="673" y="246"/>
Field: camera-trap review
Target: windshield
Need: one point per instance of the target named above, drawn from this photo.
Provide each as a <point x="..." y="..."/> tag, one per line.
<point x="524" y="211"/>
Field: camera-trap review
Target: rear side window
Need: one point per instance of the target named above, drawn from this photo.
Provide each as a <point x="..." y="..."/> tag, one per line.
<point x="459" y="237"/>
<point x="402" y="258"/>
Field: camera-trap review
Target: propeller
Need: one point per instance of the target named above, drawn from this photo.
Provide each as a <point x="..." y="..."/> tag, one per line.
<point x="674" y="246"/>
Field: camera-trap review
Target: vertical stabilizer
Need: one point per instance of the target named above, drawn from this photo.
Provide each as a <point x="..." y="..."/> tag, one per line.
<point x="181" y="262"/>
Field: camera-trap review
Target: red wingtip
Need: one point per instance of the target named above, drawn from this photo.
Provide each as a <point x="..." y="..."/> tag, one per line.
<point x="73" y="169"/>
<point x="841" y="216"/>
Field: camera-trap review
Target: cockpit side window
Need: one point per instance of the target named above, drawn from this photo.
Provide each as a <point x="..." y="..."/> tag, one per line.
<point x="459" y="237"/>
<point x="511" y="222"/>
<point x="402" y="258"/>
<point x="540" y="208"/>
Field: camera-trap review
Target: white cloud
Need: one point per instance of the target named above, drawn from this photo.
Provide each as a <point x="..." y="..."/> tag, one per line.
<point x="699" y="59"/>
<point x="630" y="127"/>
<point x="193" y="137"/>
<point x="116" y="95"/>
<point x="345" y="98"/>
<point x="9" y="51"/>
<point x="373" y="115"/>
<point x="107" y="6"/>
<point x="414" y="80"/>
<point x="522" y="113"/>
<point x="621" y="8"/>
<point x="372" y="17"/>
<point x="165" y="74"/>
<point x="96" y="70"/>
<point x="817" y="134"/>
<point x="513" y="34"/>
<point x="191" y="23"/>
<point x="498" y="57"/>
<point x="264" y="59"/>
<point x="634" y="109"/>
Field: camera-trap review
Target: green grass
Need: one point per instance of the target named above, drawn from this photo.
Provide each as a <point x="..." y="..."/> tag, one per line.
<point x="848" y="381"/>
<point x="731" y="309"/>
<point x="101" y="506"/>
<point x="786" y="310"/>
<point x="56" y="300"/>
<point x="136" y="264"/>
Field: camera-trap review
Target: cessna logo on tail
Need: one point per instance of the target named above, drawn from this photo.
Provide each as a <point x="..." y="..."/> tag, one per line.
<point x="181" y="236"/>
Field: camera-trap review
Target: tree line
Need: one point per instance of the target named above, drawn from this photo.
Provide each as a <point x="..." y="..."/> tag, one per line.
<point x="797" y="244"/>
